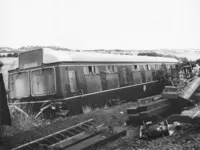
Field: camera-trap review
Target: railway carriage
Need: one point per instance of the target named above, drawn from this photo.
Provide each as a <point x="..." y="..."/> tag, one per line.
<point x="77" y="79"/>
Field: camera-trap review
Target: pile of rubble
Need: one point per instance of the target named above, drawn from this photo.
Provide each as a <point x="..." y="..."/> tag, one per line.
<point x="173" y="100"/>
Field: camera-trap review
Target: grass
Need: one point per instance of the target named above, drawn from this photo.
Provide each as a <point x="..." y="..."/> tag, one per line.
<point x="22" y="121"/>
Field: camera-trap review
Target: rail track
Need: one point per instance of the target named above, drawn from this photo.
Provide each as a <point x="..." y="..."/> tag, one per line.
<point x="85" y="135"/>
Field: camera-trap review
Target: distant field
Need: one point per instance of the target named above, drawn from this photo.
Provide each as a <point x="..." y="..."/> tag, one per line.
<point x="7" y="64"/>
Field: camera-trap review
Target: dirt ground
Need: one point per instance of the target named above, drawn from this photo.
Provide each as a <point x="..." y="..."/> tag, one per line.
<point x="187" y="138"/>
<point x="114" y="116"/>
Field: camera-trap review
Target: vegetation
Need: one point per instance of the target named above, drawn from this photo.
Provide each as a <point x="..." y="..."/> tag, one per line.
<point x="38" y="47"/>
<point x="183" y="60"/>
<point x="9" y="55"/>
<point x="154" y="54"/>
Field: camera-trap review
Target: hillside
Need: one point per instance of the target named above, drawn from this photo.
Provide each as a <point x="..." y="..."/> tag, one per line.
<point x="190" y="54"/>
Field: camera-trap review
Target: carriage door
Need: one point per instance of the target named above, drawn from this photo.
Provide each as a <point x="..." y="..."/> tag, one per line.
<point x="136" y="73"/>
<point x="72" y="82"/>
<point x="92" y="77"/>
<point x="155" y="71"/>
<point x="148" y="73"/>
<point x="112" y="77"/>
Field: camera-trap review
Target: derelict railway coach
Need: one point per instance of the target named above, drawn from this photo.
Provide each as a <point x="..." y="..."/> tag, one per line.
<point x="77" y="79"/>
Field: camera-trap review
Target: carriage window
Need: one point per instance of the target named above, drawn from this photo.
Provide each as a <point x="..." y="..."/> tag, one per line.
<point x="141" y="67"/>
<point x="152" y="67"/>
<point x="168" y="66"/>
<point x="43" y="82"/>
<point x="173" y="66"/>
<point x="91" y="70"/>
<point x="95" y="70"/>
<point x="156" y="67"/>
<point x="86" y="70"/>
<point x="19" y="85"/>
<point x="72" y="81"/>
<point x="135" y="68"/>
<point x="111" y="69"/>
<point x="115" y="69"/>
<point x="147" y="67"/>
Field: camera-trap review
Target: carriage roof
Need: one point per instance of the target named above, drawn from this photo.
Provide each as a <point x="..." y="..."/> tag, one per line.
<point x="48" y="56"/>
<point x="52" y="56"/>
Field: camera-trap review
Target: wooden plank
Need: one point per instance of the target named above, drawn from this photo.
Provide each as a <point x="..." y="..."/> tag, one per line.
<point x="77" y="138"/>
<point x="134" y="116"/>
<point x="153" y="105"/>
<point x="146" y="100"/>
<point x="180" y="118"/>
<point x="170" y="92"/>
<point x="49" y="136"/>
<point x="147" y="112"/>
<point x="154" y="112"/>
<point x="98" y="140"/>
<point x="157" y="104"/>
<point x="132" y="110"/>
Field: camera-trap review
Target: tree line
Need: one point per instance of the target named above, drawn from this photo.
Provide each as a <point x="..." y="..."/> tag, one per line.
<point x="154" y="54"/>
<point x="9" y="55"/>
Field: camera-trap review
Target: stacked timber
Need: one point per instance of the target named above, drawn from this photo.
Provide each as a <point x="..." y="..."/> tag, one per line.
<point x="185" y="97"/>
<point x="171" y="100"/>
<point x="170" y="92"/>
<point x="147" y="112"/>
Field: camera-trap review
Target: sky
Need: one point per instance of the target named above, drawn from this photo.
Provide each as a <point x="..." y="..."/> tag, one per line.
<point x="101" y="24"/>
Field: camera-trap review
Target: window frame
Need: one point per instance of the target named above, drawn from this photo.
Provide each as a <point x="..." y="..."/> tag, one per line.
<point x="54" y="73"/>
<point x="94" y="70"/>
<point x="133" y="68"/>
<point x="75" y="91"/>
<point x="168" y="66"/>
<point x="111" y="69"/>
<point x="28" y="74"/>
<point x="147" y="67"/>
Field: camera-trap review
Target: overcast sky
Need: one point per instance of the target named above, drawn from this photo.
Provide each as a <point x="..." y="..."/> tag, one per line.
<point x="101" y="24"/>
